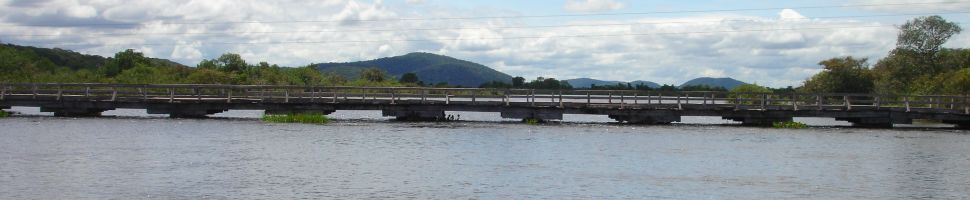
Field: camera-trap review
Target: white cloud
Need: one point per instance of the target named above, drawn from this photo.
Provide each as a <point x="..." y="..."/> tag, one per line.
<point x="592" y="5"/>
<point x="667" y="50"/>
<point x="908" y="6"/>
<point x="416" y="2"/>
<point x="789" y="14"/>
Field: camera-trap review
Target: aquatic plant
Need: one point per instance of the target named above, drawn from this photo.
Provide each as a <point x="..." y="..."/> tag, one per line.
<point x="789" y="125"/>
<point x="4" y="114"/>
<point x="532" y="121"/>
<point x="305" y="118"/>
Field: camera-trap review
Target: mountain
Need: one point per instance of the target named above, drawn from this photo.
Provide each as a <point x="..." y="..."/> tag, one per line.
<point x="430" y="68"/>
<point x="588" y="82"/>
<point x="728" y="83"/>
<point x="56" y="57"/>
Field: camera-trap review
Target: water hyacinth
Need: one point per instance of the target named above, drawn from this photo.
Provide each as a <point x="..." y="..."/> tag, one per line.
<point x="305" y="118"/>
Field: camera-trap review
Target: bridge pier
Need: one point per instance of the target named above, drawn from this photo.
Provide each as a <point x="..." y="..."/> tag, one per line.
<point x="414" y="113"/>
<point x="301" y="108"/>
<point x="187" y="110"/>
<point x="759" y="118"/>
<point x="646" y="117"/>
<point x="965" y="125"/>
<point x="76" y="109"/>
<point x="541" y="114"/>
<point x="874" y="119"/>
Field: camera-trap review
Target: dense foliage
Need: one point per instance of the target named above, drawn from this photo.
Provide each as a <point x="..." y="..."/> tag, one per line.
<point x="29" y="64"/>
<point x="918" y="65"/>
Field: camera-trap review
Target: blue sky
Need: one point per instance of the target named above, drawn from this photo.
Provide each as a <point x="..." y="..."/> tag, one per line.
<point x="776" y="47"/>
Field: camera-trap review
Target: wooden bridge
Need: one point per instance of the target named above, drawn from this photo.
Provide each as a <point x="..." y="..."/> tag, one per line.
<point x="412" y="103"/>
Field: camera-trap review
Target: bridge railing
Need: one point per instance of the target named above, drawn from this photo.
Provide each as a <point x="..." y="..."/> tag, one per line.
<point x="484" y="96"/>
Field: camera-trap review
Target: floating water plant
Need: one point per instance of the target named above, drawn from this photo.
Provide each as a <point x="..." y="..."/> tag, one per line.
<point x="789" y="125"/>
<point x="305" y="118"/>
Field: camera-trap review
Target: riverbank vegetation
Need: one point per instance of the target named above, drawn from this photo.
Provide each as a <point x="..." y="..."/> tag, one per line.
<point x="304" y="118"/>
<point x="789" y="125"/>
<point x="918" y="65"/>
<point x="4" y="114"/>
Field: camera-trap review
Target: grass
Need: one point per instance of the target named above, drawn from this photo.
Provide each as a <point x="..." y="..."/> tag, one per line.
<point x="790" y="125"/>
<point x="305" y="118"/>
<point x="532" y="121"/>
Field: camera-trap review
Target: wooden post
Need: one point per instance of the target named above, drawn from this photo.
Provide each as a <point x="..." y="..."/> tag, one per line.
<point x="610" y="101"/>
<point x="198" y="93"/>
<point x="588" y="99"/>
<point x="848" y="105"/>
<point x="3" y="92"/>
<point x="507" y="99"/>
<point x="171" y="95"/>
<point x="447" y="98"/>
<point x="686" y="98"/>
<point x="737" y="102"/>
<point x="794" y="102"/>
<point x="474" y="94"/>
<point x="649" y="101"/>
<point x="636" y="98"/>
<point x="334" y="95"/>
<point x="60" y="92"/>
<point x="679" y="107"/>
<point x="392" y="97"/>
<point x="764" y="101"/>
<point x="704" y="97"/>
<point x="424" y="94"/>
<point x="229" y="96"/>
<point x="144" y="93"/>
<point x="114" y="93"/>
<point x="818" y="101"/>
<point x="622" y="100"/>
<point x="34" y="86"/>
<point x="906" y="100"/>
<point x="966" y="109"/>
<point x="560" y="99"/>
<point x="363" y="95"/>
<point x="286" y="95"/>
<point x="878" y="102"/>
<point x="952" y="101"/>
<point x="533" y="97"/>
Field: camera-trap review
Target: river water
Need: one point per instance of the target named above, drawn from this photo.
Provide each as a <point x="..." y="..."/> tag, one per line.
<point x="360" y="155"/>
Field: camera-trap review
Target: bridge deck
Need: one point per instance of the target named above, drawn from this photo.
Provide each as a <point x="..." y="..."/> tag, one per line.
<point x="430" y="103"/>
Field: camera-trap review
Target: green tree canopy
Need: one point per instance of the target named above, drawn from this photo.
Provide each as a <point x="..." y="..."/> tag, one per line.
<point x="842" y="75"/>
<point x="409" y="78"/>
<point x="372" y="75"/>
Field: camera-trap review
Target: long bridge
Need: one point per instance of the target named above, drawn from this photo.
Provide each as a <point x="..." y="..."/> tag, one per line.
<point x="419" y="103"/>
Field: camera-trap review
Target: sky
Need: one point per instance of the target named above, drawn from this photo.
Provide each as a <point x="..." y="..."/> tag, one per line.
<point x="771" y="43"/>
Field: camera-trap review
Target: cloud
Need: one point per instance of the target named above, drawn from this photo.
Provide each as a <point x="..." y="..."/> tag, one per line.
<point x="778" y="50"/>
<point x="416" y="2"/>
<point x="592" y="5"/>
<point x="908" y="6"/>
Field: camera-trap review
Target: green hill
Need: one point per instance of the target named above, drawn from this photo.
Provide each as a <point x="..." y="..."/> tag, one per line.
<point x="430" y="68"/>
<point x="588" y="82"/>
<point x="728" y="83"/>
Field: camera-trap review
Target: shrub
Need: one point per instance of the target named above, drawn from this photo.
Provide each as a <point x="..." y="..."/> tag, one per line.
<point x="306" y="118"/>
<point x="790" y="125"/>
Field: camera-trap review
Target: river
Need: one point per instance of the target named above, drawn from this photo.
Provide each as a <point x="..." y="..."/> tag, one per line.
<point x="360" y="155"/>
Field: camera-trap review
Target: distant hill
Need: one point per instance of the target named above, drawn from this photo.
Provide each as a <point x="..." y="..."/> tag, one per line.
<point x="430" y="68"/>
<point x="728" y="83"/>
<point x="47" y="57"/>
<point x="588" y="82"/>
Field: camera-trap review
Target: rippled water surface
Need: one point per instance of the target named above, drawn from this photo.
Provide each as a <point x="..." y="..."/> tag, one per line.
<point x="362" y="156"/>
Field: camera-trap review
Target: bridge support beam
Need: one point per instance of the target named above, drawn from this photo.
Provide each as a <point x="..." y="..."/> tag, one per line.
<point x="541" y="114"/>
<point x="759" y="118"/>
<point x="645" y="117"/>
<point x="300" y="108"/>
<point x="965" y="125"/>
<point x="874" y="119"/>
<point x="414" y="113"/>
<point x="77" y="109"/>
<point x="187" y="110"/>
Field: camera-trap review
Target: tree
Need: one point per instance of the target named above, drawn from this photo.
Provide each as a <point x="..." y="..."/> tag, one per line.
<point x="231" y="62"/>
<point x="518" y="82"/>
<point x="924" y="36"/>
<point x="842" y="75"/>
<point x="372" y="75"/>
<point x="123" y="61"/>
<point x="751" y="92"/>
<point x="409" y="78"/>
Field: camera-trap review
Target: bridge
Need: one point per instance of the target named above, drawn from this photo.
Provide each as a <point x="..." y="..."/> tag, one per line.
<point x="427" y="104"/>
